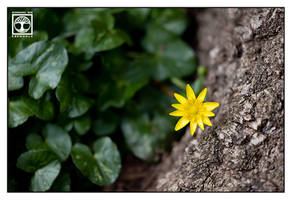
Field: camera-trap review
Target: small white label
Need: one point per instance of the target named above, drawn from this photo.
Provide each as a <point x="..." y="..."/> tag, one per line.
<point x="22" y="24"/>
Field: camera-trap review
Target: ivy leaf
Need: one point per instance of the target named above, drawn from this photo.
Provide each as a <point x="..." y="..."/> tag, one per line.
<point x="103" y="167"/>
<point x="137" y="17"/>
<point x="116" y="94"/>
<point x="70" y="100"/>
<point x="34" y="159"/>
<point x="145" y="136"/>
<point x="106" y="124"/>
<point x="82" y="124"/>
<point x="80" y="18"/>
<point x="46" y="61"/>
<point x="90" y="41"/>
<point x="17" y="44"/>
<point x="34" y="141"/>
<point x="44" y="177"/>
<point x="108" y="158"/>
<point x="172" y="19"/>
<point x="62" y="183"/>
<point x="14" y="82"/>
<point x="171" y="56"/>
<point x="57" y="140"/>
<point x="112" y="39"/>
<point x="21" y="108"/>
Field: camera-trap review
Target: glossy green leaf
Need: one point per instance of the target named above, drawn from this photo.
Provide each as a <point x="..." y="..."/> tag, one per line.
<point x="15" y="45"/>
<point x="62" y="183"/>
<point x="108" y="158"/>
<point x="172" y="19"/>
<point x="14" y="82"/>
<point x="34" y="141"/>
<point x="111" y="40"/>
<point x="21" y="108"/>
<point x="144" y="136"/>
<point x="44" y="177"/>
<point x="137" y="16"/>
<point x="171" y="56"/>
<point x="46" y="61"/>
<point x="46" y="109"/>
<point x="80" y="105"/>
<point x="57" y="140"/>
<point x="90" y="42"/>
<point x="70" y="100"/>
<point x="32" y="160"/>
<point x="116" y="94"/>
<point x="82" y="124"/>
<point x="80" y="18"/>
<point x="103" y="167"/>
<point x="106" y="124"/>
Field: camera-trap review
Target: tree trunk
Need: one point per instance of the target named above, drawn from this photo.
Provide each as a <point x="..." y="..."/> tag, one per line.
<point x="244" y="149"/>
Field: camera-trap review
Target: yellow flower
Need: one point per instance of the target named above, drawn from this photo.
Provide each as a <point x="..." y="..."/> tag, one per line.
<point x="193" y="110"/>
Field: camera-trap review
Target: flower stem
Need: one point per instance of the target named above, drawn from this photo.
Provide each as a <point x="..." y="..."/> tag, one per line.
<point x="179" y="83"/>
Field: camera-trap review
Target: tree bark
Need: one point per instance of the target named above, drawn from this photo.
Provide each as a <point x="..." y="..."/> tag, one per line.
<point x="244" y="149"/>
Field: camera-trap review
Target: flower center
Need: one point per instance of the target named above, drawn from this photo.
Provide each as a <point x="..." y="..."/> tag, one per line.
<point x="193" y="109"/>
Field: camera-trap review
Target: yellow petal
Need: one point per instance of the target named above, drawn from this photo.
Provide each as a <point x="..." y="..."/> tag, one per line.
<point x="209" y="114"/>
<point x="177" y="113"/>
<point x="202" y="95"/>
<point x="190" y="92"/>
<point x="200" y="123"/>
<point x="180" y="98"/>
<point x="210" y="105"/>
<point x="193" y="127"/>
<point x="181" y="123"/>
<point x="178" y="106"/>
<point x="207" y="121"/>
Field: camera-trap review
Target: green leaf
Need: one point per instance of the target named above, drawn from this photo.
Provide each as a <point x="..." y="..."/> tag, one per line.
<point x="70" y="100"/>
<point x="171" y="56"/>
<point x="32" y="160"/>
<point x="45" y="109"/>
<point x="34" y="141"/>
<point x="21" y="108"/>
<point x="117" y="94"/>
<point x="197" y="85"/>
<point x="44" y="177"/>
<point x="140" y="70"/>
<point x="144" y="136"/>
<point x="80" y="18"/>
<point x="82" y="125"/>
<point x="62" y="183"/>
<point x="112" y="39"/>
<point x="108" y="158"/>
<point x="14" y="82"/>
<point x="17" y="44"/>
<point x="91" y="42"/>
<point x="80" y="105"/>
<point x="137" y="16"/>
<point x="46" y="61"/>
<point x="57" y="140"/>
<point x="172" y="19"/>
<point x="103" y="167"/>
<point x="106" y="124"/>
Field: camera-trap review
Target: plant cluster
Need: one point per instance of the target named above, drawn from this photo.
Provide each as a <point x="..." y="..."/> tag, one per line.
<point x="91" y="85"/>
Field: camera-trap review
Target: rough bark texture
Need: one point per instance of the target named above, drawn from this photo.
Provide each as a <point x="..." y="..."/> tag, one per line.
<point x="244" y="149"/>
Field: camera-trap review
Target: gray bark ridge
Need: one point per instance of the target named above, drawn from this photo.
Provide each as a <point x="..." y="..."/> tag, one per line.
<point x="244" y="149"/>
